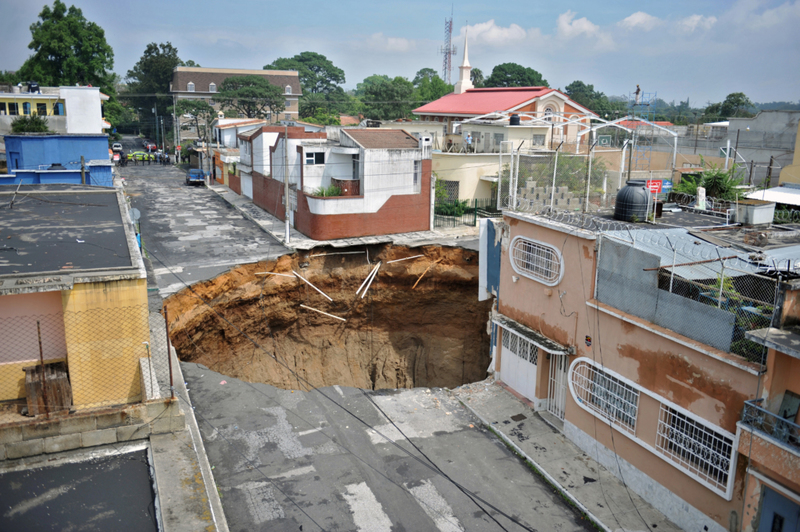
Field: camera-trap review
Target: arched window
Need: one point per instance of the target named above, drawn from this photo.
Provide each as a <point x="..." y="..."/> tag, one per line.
<point x="537" y="260"/>
<point x="212" y="87"/>
<point x="288" y="89"/>
<point x="190" y="86"/>
<point x="548" y="114"/>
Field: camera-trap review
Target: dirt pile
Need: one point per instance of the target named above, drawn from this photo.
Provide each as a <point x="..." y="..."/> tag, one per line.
<point x="395" y="337"/>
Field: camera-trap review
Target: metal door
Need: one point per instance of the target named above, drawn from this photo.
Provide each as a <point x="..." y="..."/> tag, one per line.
<point x="518" y="363"/>
<point x="778" y="514"/>
<point x="559" y="364"/>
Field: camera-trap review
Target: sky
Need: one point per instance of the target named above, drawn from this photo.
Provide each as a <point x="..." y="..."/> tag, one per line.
<point x="679" y="49"/>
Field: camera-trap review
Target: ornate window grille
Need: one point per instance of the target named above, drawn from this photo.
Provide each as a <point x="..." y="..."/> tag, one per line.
<point x="521" y="347"/>
<point x="696" y="447"/>
<point x="536" y="260"/>
<point x="609" y="397"/>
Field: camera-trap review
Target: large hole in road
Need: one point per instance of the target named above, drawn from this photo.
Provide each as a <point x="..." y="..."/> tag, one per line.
<point x="398" y="336"/>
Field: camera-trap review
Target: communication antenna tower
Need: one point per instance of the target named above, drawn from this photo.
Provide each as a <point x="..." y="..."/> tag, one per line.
<point x="448" y="50"/>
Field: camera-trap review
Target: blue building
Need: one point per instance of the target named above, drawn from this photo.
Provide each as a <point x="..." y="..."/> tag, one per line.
<point x="56" y="158"/>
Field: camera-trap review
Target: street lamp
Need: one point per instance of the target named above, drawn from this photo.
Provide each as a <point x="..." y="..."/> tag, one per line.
<point x="155" y="112"/>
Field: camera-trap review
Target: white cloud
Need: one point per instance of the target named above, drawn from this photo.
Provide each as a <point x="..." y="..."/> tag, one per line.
<point x="640" y="20"/>
<point x="748" y="13"/>
<point x="380" y="42"/>
<point x="491" y="34"/>
<point x="567" y="27"/>
<point x="695" y="22"/>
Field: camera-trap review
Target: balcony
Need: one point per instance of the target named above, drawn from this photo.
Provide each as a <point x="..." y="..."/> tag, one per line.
<point x="772" y="425"/>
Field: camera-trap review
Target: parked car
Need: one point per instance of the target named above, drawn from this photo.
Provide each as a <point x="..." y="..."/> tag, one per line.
<point x="195" y="177"/>
<point x="117" y="147"/>
<point x="141" y="156"/>
<point x="150" y="146"/>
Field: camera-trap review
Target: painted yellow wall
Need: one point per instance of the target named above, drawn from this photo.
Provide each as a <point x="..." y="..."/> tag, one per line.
<point x="467" y="170"/>
<point x="24" y="98"/>
<point x="106" y="328"/>
<point x="791" y="173"/>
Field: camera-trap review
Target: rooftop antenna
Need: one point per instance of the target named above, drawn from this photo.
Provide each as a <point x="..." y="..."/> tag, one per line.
<point x="448" y="50"/>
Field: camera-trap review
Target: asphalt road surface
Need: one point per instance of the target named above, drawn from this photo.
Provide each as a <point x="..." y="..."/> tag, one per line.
<point x="189" y="232"/>
<point x="294" y="460"/>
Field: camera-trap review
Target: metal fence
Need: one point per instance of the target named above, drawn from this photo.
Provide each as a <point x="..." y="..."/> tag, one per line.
<point x="773" y="425"/>
<point x="63" y="362"/>
<point x="455" y="213"/>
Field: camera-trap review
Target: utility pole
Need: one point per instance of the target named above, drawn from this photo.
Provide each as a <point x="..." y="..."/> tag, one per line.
<point x="286" y="181"/>
<point x="589" y="175"/>
<point x="83" y="171"/>
<point x="155" y="112"/>
<point x="769" y="172"/>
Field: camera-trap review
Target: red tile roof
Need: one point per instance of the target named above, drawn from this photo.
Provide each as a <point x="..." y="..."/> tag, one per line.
<point x="482" y="101"/>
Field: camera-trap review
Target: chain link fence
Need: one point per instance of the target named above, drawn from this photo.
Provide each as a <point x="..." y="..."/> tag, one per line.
<point x="70" y="361"/>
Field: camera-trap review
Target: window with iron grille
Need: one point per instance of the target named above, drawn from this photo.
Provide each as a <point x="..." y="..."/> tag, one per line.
<point x="698" y="448"/>
<point x="521" y="347"/>
<point x="452" y="189"/>
<point x="536" y="260"/>
<point x="538" y="140"/>
<point x="608" y="396"/>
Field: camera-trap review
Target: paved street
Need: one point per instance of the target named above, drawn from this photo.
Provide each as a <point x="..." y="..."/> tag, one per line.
<point x="189" y="230"/>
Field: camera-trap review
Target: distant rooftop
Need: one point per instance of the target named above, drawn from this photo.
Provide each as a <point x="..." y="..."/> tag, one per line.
<point x="382" y="138"/>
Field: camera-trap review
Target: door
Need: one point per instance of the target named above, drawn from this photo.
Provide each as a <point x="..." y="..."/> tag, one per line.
<point x="518" y="363"/>
<point x="247" y="185"/>
<point x="778" y="514"/>
<point x="559" y="364"/>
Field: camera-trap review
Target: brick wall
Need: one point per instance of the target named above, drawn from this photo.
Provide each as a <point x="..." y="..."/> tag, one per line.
<point x="234" y="182"/>
<point x="400" y="214"/>
<point x="268" y="194"/>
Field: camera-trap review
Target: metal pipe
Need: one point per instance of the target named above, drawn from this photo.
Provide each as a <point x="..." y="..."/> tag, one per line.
<point x="374" y="275"/>
<point x="311" y="285"/>
<point x="407" y="258"/>
<point x="275" y="273"/>
<point x="325" y="313"/>
<point x="555" y="169"/>
<point x="41" y="366"/>
<point x="169" y="354"/>
<point x="371" y="273"/>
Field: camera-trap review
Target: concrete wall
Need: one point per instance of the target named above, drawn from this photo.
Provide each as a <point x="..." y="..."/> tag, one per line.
<point x="83" y="109"/>
<point x="708" y="383"/>
<point x="30" y="152"/>
<point x="467" y="169"/>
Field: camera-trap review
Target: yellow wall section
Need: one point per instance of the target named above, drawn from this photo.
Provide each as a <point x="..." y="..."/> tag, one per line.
<point x="106" y="327"/>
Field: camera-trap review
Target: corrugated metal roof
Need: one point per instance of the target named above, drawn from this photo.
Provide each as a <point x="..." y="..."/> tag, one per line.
<point x="785" y="195"/>
<point x="689" y="249"/>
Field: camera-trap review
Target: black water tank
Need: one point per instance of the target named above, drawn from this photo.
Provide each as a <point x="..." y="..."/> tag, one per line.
<point x="514" y="120"/>
<point x="631" y="202"/>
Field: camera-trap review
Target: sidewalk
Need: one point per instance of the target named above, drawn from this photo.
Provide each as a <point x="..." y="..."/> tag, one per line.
<point x="298" y="241"/>
<point x="587" y="484"/>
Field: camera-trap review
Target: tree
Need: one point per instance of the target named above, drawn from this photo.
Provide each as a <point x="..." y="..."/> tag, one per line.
<point x="189" y="63"/>
<point x="361" y="88"/>
<point x="30" y="124"/>
<point x="736" y="104"/>
<point x="317" y="73"/>
<point x="252" y="96"/>
<point x="514" y="75"/>
<point x="425" y="73"/>
<point x="476" y="76"/>
<point x="200" y="111"/>
<point x="430" y="89"/>
<point x="152" y="74"/>
<point x="68" y="49"/>
<point x="388" y="100"/>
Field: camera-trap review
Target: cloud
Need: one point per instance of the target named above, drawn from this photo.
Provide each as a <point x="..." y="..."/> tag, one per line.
<point x="695" y="22"/>
<point x="491" y="34"/>
<point x="567" y="27"/>
<point x="380" y="42"/>
<point x="640" y="20"/>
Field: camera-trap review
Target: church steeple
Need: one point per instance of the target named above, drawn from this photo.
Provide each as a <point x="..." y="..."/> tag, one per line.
<point x="464" y="71"/>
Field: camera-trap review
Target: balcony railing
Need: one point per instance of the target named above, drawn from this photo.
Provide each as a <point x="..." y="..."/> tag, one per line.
<point x="771" y="424"/>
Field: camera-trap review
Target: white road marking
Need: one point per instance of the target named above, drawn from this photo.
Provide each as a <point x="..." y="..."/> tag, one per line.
<point x="261" y="502"/>
<point x="338" y="390"/>
<point x="368" y="514"/>
<point x="165" y="271"/>
<point x="310" y="431"/>
<point x="436" y="507"/>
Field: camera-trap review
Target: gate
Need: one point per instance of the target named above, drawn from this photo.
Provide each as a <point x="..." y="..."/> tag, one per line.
<point x="557" y="395"/>
<point x="518" y="364"/>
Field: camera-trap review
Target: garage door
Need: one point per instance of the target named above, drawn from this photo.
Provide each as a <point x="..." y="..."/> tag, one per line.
<point x="518" y="364"/>
<point x="247" y="185"/>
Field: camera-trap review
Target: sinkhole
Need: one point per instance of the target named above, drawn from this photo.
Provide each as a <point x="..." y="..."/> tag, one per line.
<point x="253" y="327"/>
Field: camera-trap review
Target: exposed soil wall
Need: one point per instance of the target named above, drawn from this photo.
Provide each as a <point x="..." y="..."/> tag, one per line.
<point x="396" y="337"/>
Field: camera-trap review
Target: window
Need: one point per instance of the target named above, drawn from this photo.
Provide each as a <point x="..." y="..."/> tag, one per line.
<point x="538" y="140"/>
<point x="287" y="103"/>
<point x="513" y="343"/>
<point x="212" y="87"/>
<point x="2" y="108"/>
<point x="211" y="102"/>
<point x="548" y="114"/>
<point x="315" y="158"/>
<point x="288" y="89"/>
<point x="416" y="174"/>
<point x="13" y="108"/>
<point x="41" y="109"/>
<point x="536" y="260"/>
<point x="356" y="166"/>
<point x="190" y="86"/>
<point x="58" y="109"/>
<point x="608" y="396"/>
<point x="695" y="447"/>
<point x="287" y="116"/>
<point x="26" y="108"/>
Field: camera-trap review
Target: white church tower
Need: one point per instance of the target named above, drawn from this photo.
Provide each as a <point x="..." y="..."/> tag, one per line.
<point x="464" y="78"/>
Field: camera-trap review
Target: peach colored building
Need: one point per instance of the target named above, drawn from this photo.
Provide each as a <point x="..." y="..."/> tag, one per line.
<point x="644" y="350"/>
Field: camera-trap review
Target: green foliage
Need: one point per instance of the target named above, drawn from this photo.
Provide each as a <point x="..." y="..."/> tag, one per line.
<point x="151" y="75"/>
<point x="190" y="63"/>
<point x="324" y="119"/>
<point x="361" y="88"/>
<point x="431" y="88"/>
<point x="334" y="103"/>
<point x="477" y="78"/>
<point x="736" y="104"/>
<point x="719" y="183"/>
<point x="202" y="113"/>
<point x="329" y="191"/>
<point x="252" y="96"/>
<point x="424" y="73"/>
<point x="514" y="75"/>
<point x="68" y="49"/>
<point x="389" y="100"/>
<point x="593" y="100"/>
<point x="452" y="208"/>
<point x="440" y="192"/>
<point x="317" y="73"/>
<point x="29" y="124"/>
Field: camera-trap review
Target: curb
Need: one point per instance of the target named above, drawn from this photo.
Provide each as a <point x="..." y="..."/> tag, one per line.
<point x="252" y="219"/>
<point x="539" y="468"/>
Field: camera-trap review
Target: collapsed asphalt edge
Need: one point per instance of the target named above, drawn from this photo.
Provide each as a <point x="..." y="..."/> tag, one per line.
<point x="553" y="482"/>
<point x="214" y="502"/>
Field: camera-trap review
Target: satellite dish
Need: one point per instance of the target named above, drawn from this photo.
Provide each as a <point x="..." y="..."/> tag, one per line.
<point x="135" y="215"/>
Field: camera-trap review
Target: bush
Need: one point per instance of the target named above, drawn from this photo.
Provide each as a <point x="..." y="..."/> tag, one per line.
<point x="328" y="191"/>
<point x="452" y="208"/>
<point x="30" y="124"/>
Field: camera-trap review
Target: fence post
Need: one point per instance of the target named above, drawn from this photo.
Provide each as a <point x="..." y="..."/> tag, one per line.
<point x="169" y="354"/>
<point x="43" y="378"/>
